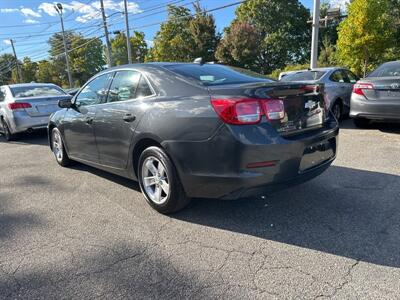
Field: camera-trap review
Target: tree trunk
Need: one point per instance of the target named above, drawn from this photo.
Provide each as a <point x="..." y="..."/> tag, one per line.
<point x="366" y="60"/>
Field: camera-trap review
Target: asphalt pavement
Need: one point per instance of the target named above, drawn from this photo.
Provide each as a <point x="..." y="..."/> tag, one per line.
<point x="80" y="233"/>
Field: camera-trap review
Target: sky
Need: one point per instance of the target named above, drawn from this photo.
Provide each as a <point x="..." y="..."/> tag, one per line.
<point x="30" y="23"/>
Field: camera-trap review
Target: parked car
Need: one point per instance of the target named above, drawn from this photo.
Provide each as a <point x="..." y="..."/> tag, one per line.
<point x="27" y="106"/>
<point x="377" y="97"/>
<point x="338" y="86"/>
<point x="187" y="130"/>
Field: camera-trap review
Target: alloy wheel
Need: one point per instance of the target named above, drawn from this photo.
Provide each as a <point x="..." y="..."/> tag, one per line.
<point x="155" y="180"/>
<point x="57" y="146"/>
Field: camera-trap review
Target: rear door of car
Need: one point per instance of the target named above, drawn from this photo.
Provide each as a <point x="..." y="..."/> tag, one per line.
<point x="78" y="123"/>
<point x="117" y="119"/>
<point x="343" y="87"/>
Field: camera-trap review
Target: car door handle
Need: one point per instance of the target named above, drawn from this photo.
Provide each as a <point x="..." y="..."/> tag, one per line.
<point x="89" y="120"/>
<point x="129" y="118"/>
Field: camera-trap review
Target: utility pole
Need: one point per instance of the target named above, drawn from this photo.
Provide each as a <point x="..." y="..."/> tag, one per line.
<point x="19" y="75"/>
<point x="315" y="29"/>
<point x="109" y="58"/>
<point x="58" y="7"/>
<point x="128" y="43"/>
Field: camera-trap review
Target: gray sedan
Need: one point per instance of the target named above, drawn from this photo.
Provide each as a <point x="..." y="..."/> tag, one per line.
<point x="338" y="83"/>
<point x="25" y="107"/>
<point x="377" y="97"/>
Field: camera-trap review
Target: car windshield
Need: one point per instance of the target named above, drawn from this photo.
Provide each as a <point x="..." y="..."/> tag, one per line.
<point x="391" y="69"/>
<point x="213" y="74"/>
<point x="36" y="91"/>
<point x="304" y="76"/>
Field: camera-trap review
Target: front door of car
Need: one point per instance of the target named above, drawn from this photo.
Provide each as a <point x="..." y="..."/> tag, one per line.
<point x="117" y="119"/>
<point x="78" y="121"/>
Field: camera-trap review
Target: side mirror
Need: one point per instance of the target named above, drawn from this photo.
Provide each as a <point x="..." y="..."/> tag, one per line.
<point x="65" y="103"/>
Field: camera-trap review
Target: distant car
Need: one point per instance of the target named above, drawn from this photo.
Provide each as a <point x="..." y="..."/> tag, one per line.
<point x="72" y="91"/>
<point x="25" y="107"/>
<point x="338" y="86"/>
<point x="187" y="130"/>
<point x="377" y="97"/>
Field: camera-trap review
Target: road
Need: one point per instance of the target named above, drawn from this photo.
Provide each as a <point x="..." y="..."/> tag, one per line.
<point x="79" y="233"/>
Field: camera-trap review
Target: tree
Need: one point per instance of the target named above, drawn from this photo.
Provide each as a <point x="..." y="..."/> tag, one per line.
<point x="45" y="73"/>
<point x="184" y="37"/>
<point x="120" y="52"/>
<point x="327" y="54"/>
<point x="239" y="46"/>
<point x="28" y="70"/>
<point x="284" y="32"/>
<point x="7" y="63"/>
<point x="365" y="35"/>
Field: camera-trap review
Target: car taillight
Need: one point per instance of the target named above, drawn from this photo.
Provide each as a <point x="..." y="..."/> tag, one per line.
<point x="18" y="105"/>
<point x="274" y="109"/>
<point x="360" y="86"/>
<point x="247" y="110"/>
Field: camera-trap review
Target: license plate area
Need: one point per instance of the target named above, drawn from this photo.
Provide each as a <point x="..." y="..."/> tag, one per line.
<point x="317" y="154"/>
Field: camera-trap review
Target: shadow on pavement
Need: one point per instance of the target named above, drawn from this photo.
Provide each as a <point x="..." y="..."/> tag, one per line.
<point x="38" y="137"/>
<point x="383" y="127"/>
<point x="345" y="212"/>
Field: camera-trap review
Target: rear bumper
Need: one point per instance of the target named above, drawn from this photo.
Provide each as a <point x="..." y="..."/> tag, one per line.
<point x="217" y="168"/>
<point x="21" y="123"/>
<point x="387" y="110"/>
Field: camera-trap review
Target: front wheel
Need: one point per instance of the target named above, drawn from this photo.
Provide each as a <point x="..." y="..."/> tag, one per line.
<point x="58" y="148"/>
<point x="159" y="181"/>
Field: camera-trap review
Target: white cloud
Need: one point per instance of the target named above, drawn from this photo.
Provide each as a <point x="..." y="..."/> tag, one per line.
<point x="150" y="43"/>
<point x="7" y="42"/>
<point x="89" y="11"/>
<point x="30" y="21"/>
<point x="48" y="8"/>
<point x="27" y="12"/>
<point x="8" y="10"/>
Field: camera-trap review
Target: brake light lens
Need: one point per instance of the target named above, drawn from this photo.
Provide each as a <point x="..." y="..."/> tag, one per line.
<point x="274" y="109"/>
<point x="18" y="105"/>
<point x="360" y="86"/>
<point x="247" y="110"/>
<point x="241" y="111"/>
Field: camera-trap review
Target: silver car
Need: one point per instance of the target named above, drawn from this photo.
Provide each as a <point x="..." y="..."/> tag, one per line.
<point x="25" y="107"/>
<point x="338" y="83"/>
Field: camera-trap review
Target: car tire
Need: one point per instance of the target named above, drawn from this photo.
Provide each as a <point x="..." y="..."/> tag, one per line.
<point x="6" y="131"/>
<point x="361" y="122"/>
<point x="58" y="148"/>
<point x="159" y="181"/>
<point x="337" y="110"/>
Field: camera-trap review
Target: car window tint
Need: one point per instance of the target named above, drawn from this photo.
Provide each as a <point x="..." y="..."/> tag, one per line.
<point x="95" y="92"/>
<point x="351" y="76"/>
<point x="390" y="69"/>
<point x="143" y="88"/>
<point x="123" y="86"/>
<point x="339" y="76"/>
<point x="303" y="76"/>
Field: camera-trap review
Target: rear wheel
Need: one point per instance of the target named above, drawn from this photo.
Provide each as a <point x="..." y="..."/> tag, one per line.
<point x="159" y="181"/>
<point x="6" y="131"/>
<point x="58" y="148"/>
<point x="337" y="110"/>
<point x="361" y="122"/>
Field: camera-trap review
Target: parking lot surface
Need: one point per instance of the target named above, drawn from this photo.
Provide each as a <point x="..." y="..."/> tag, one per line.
<point x="82" y="233"/>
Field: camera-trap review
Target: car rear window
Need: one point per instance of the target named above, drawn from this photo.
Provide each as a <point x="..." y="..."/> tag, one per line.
<point x="213" y="74"/>
<point x="304" y="76"/>
<point x="36" y="91"/>
<point x="391" y="69"/>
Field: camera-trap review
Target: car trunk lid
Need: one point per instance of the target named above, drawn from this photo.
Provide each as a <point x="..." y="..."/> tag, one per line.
<point x="303" y="103"/>
<point x="384" y="88"/>
<point x="41" y="106"/>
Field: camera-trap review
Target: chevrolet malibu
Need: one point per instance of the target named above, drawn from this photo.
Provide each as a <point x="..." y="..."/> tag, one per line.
<point x="27" y="106"/>
<point x="191" y="130"/>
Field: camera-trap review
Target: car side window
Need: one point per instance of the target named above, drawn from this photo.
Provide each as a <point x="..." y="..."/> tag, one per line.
<point x="351" y="76"/>
<point x="143" y="89"/>
<point x="339" y="76"/>
<point x="95" y="92"/>
<point x="124" y="86"/>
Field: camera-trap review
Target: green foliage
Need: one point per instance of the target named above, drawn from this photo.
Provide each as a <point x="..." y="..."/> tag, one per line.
<point x="366" y="34"/>
<point x="6" y="62"/>
<point x="240" y="46"/>
<point x="45" y="73"/>
<point x="284" y="32"/>
<point x="327" y="54"/>
<point x="184" y="37"/>
<point x="28" y="70"/>
<point x="120" y="52"/>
